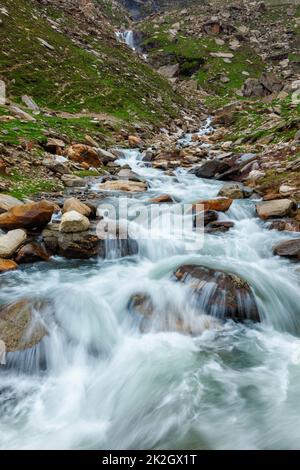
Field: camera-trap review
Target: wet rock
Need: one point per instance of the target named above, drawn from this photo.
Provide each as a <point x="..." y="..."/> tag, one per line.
<point x="128" y="175"/>
<point x="211" y="168"/>
<point x="72" y="222"/>
<point x="219" y="227"/>
<point x="31" y="252"/>
<point x="73" y="204"/>
<point x="81" y="153"/>
<point x="288" y="249"/>
<point x="234" y="191"/>
<point x="32" y="215"/>
<point x="105" y="156"/>
<point x="288" y="225"/>
<point x="10" y="242"/>
<point x="20" y="326"/>
<point x="276" y="208"/>
<point x="218" y="293"/>
<point x="7" y="265"/>
<point x="221" y="204"/>
<point x="8" y="202"/>
<point x="119" y="185"/>
<point x="164" y="198"/>
<point x="73" y="181"/>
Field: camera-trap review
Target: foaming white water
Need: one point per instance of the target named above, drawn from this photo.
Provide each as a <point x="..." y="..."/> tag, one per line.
<point x="106" y="382"/>
<point x="127" y="37"/>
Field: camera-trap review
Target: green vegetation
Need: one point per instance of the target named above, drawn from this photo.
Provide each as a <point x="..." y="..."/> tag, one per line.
<point x="22" y="186"/>
<point x="109" y="78"/>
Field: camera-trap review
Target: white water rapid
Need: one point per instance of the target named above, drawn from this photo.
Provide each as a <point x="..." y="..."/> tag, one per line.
<point x="97" y="382"/>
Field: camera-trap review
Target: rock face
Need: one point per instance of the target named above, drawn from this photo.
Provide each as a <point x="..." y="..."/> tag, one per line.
<point x="73" y="222"/>
<point x="84" y="154"/>
<point x="8" y="202"/>
<point x="7" y="265"/>
<point x="219" y="293"/>
<point x="288" y="249"/>
<point x="73" y="204"/>
<point x="119" y="185"/>
<point x="18" y="329"/>
<point x="220" y="204"/>
<point x="31" y="252"/>
<point x="276" y="208"/>
<point x="33" y="215"/>
<point x="10" y="242"/>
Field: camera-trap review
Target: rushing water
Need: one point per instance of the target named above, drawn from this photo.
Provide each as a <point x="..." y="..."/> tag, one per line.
<point x="97" y="382"/>
<point x="127" y="37"/>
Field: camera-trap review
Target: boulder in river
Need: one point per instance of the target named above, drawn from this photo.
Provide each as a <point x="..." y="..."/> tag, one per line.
<point x="72" y="222"/>
<point x="32" y="215"/>
<point x="7" y="265"/>
<point x="218" y="293"/>
<point x="235" y="191"/>
<point x="288" y="249"/>
<point x="20" y="327"/>
<point x="127" y="186"/>
<point x="8" y="202"/>
<point x="164" y="198"/>
<point x="211" y="168"/>
<point x="219" y="204"/>
<point x="219" y="226"/>
<point x="73" y="204"/>
<point x="276" y="208"/>
<point x="31" y="252"/>
<point x="11" y="241"/>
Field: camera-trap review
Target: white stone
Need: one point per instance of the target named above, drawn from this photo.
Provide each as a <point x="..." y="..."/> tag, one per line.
<point x="72" y="222"/>
<point x="10" y="242"/>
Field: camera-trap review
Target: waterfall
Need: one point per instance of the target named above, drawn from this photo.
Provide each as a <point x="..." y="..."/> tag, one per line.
<point x="127" y="37"/>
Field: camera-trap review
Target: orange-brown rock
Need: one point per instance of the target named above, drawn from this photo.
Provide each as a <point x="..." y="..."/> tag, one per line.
<point x="31" y="252"/>
<point x="32" y="215"/>
<point x="159" y="199"/>
<point x="134" y="141"/>
<point x="81" y="153"/>
<point x="221" y="204"/>
<point x="7" y="265"/>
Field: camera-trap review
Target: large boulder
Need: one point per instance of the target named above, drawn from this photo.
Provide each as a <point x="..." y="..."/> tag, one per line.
<point x="288" y="249"/>
<point x="73" y="204"/>
<point x="211" y="168"/>
<point x="31" y="252"/>
<point x="19" y="327"/>
<point x="8" y="202"/>
<point x="218" y="293"/>
<point x="169" y="71"/>
<point x="119" y="185"/>
<point x="276" y="208"/>
<point x="72" y="222"/>
<point x="7" y="265"/>
<point x="81" y="153"/>
<point x="10" y="242"/>
<point x="73" y="181"/>
<point x="32" y="215"/>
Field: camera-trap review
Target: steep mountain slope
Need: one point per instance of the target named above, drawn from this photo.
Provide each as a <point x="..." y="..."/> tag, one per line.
<point x="65" y="55"/>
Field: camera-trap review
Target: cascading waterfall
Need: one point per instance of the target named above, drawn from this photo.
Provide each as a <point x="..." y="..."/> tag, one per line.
<point x="98" y="381"/>
<point x="126" y="37"/>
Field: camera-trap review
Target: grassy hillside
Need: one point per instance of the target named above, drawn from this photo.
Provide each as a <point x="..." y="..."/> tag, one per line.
<point x="81" y="67"/>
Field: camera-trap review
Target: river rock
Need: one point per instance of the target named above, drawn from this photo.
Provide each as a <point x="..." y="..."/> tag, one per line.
<point x="219" y="226"/>
<point x="32" y="215"/>
<point x="73" y="181"/>
<point x="164" y="198"/>
<point x="19" y="327"/>
<point x="219" y="204"/>
<point x="8" y="202"/>
<point x="288" y="249"/>
<point x="72" y="222"/>
<point x="285" y="225"/>
<point x="234" y="191"/>
<point x="10" y="242"/>
<point x="134" y="141"/>
<point x="73" y="204"/>
<point x="276" y="208"/>
<point x="218" y="293"/>
<point x="31" y="252"/>
<point x="81" y="153"/>
<point x="7" y="265"/>
<point x="105" y="156"/>
<point x="119" y="185"/>
<point x="211" y="168"/>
